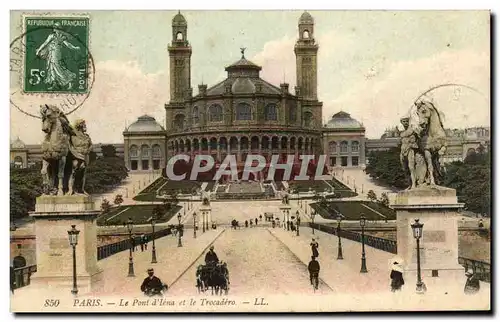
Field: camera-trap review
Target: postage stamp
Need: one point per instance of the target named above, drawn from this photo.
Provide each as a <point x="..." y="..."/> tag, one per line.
<point x="292" y="161"/>
<point x="56" y="54"/>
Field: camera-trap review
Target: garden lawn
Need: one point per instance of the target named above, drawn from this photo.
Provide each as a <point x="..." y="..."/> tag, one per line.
<point x="351" y="210"/>
<point x="139" y="214"/>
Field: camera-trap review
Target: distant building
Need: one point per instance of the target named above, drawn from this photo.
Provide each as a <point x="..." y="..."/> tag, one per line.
<point x="344" y="141"/>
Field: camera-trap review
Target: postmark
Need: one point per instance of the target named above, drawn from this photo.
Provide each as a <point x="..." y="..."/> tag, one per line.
<point x="51" y="63"/>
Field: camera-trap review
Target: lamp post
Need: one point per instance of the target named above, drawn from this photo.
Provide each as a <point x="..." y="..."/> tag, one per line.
<point x="73" y="241"/>
<point x="130" y="224"/>
<point x="417" y="228"/>
<point x="287" y="220"/>
<point x="184" y="208"/>
<point x="313" y="214"/>
<point x="284" y="220"/>
<point x="153" y="251"/>
<point x="298" y="222"/>
<point x="339" y="253"/>
<point x="203" y="220"/>
<point x="194" y="223"/>
<point x="362" y="222"/>
<point x="179" y="230"/>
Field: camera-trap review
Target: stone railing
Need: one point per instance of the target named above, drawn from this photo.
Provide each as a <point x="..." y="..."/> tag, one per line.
<point x="111" y="249"/>
<point x="22" y="276"/>
<point x="482" y="269"/>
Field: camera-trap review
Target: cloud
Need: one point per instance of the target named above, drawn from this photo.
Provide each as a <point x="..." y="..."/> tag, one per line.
<point x="121" y="93"/>
<point x="380" y="101"/>
<point x="380" y="94"/>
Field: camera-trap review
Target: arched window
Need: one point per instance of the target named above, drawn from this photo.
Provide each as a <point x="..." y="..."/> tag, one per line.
<point x="271" y="112"/>
<point x="134" y="151"/>
<point x="179" y="122"/>
<point x="332" y="147"/>
<point x="305" y="34"/>
<point x="354" y="146"/>
<point x="343" y="147"/>
<point x="144" y="151"/>
<point x="243" y="112"/>
<point x="156" y="151"/>
<point x="215" y="113"/>
<point x="308" y="119"/>
<point x="180" y="36"/>
<point x="196" y="115"/>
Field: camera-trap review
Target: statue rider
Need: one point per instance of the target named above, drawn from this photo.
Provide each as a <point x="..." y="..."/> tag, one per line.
<point x="408" y="146"/>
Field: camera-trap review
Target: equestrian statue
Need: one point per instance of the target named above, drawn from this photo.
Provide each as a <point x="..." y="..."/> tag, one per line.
<point x="423" y="142"/>
<point x="65" y="153"/>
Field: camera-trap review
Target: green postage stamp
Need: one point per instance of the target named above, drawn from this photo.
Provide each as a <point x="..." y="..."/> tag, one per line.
<point x="56" y="54"/>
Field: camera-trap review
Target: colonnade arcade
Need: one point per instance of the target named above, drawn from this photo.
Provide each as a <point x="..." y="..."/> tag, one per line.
<point x="241" y="146"/>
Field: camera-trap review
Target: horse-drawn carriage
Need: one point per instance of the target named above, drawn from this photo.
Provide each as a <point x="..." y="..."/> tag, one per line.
<point x="235" y="224"/>
<point x="214" y="276"/>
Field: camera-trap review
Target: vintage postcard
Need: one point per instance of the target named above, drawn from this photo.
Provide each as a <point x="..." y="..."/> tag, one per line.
<point x="250" y="161"/>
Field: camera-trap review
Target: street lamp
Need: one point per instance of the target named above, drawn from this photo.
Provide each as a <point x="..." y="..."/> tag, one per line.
<point x="287" y="220"/>
<point x="339" y="254"/>
<point x="417" y="234"/>
<point x="203" y="220"/>
<point x="73" y="241"/>
<point x="184" y="208"/>
<point x="179" y="230"/>
<point x="298" y="222"/>
<point x="194" y="223"/>
<point x="153" y="253"/>
<point x="362" y="223"/>
<point x="130" y="224"/>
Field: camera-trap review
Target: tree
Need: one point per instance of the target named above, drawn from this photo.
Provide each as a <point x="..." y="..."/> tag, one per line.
<point x="105" y="206"/>
<point x="371" y="195"/>
<point x="118" y="199"/>
<point x="384" y="199"/>
<point x="385" y="167"/>
<point x="108" y="151"/>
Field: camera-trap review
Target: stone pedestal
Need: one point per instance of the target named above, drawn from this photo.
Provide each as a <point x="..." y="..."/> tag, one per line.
<point x="208" y="214"/>
<point x="437" y="209"/>
<point x="54" y="216"/>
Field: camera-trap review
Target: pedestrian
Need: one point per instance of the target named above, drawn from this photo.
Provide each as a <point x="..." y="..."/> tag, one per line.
<point x="145" y="240"/>
<point x="314" y="248"/>
<point x="246" y="223"/>
<point x="142" y="242"/>
<point x="260" y="217"/>
<point x="251" y="222"/>
<point x="472" y="285"/>
<point x="12" y="279"/>
<point x="256" y="221"/>
<point x="152" y="285"/>
<point x="133" y="243"/>
<point x="397" y="280"/>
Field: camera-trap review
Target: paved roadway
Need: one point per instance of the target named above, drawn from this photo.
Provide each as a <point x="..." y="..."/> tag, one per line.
<point x="258" y="263"/>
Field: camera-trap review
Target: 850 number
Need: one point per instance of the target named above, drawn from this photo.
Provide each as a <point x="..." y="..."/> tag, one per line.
<point x="51" y="303"/>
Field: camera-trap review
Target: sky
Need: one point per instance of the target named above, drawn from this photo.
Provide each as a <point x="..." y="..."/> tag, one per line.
<point x="372" y="64"/>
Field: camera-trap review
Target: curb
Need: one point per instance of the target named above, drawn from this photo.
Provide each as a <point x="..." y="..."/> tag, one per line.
<point x="196" y="259"/>
<point x="306" y="264"/>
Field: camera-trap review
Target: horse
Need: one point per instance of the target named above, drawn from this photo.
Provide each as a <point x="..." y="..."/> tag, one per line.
<point x="55" y="149"/>
<point x="214" y="277"/>
<point x="432" y="135"/>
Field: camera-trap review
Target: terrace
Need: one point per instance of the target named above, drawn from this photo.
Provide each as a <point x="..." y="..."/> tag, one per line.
<point x="351" y="210"/>
<point x="139" y="214"/>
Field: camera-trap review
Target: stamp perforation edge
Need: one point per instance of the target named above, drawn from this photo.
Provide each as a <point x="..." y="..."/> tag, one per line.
<point x="62" y="14"/>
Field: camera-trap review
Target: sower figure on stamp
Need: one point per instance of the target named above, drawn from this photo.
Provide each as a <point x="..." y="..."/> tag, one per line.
<point x="80" y="147"/>
<point x="58" y="75"/>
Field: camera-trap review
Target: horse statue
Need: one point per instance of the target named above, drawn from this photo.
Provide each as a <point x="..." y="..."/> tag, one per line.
<point x="65" y="153"/>
<point x="55" y="149"/>
<point x="431" y="139"/>
<point x="205" y="198"/>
